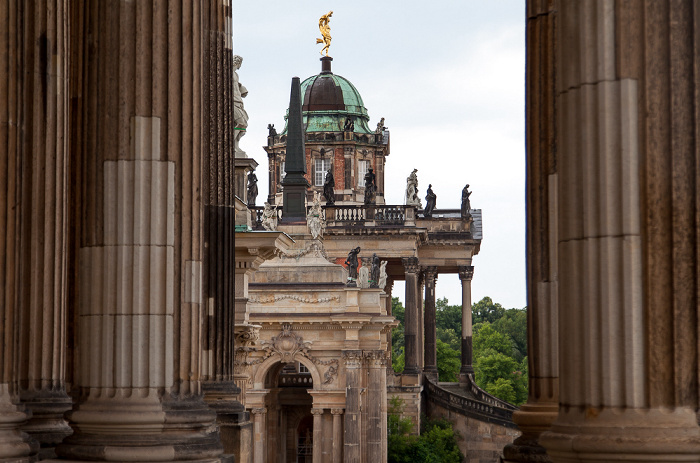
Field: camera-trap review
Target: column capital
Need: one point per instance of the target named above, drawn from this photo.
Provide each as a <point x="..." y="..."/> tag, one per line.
<point x="430" y="273"/>
<point x="466" y="272"/>
<point x="375" y="358"/>
<point x="337" y="411"/>
<point x="410" y="264"/>
<point x="259" y="411"/>
<point x="353" y="358"/>
<point x="317" y="411"/>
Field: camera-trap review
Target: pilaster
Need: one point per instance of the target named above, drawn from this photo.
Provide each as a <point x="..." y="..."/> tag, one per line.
<point x="353" y="417"/>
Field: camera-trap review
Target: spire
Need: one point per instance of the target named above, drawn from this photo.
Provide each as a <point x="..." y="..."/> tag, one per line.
<point x="294" y="184"/>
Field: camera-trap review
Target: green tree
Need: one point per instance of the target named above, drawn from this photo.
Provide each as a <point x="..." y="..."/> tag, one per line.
<point x="448" y="317"/>
<point x="486" y="337"/>
<point x="514" y="324"/>
<point x="448" y="362"/>
<point x="487" y="311"/>
<point x="397" y="336"/>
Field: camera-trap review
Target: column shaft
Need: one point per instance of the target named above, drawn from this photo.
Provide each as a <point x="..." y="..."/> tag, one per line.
<point x="430" y="367"/>
<point x="318" y="435"/>
<point x="376" y="404"/>
<point x="141" y="243"/>
<point x="465" y="275"/>
<point x="353" y="417"/>
<point x="337" y="435"/>
<point x="259" y="443"/>
<point x="411" y="333"/>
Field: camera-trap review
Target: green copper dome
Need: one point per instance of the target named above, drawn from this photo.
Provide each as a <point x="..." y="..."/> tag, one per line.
<point x="328" y="100"/>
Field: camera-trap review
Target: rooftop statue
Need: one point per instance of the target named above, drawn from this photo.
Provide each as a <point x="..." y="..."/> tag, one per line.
<point x="375" y="272"/>
<point x="271" y="131"/>
<point x="269" y="217"/>
<point x="240" y="116"/>
<point x="380" y="126"/>
<point x="466" y="204"/>
<point x="352" y="264"/>
<point x="328" y="188"/>
<point x="349" y="125"/>
<point x="252" y="188"/>
<point x="412" y="198"/>
<point x="325" y="31"/>
<point x="430" y="199"/>
<point x="382" y="275"/>
<point x="314" y="218"/>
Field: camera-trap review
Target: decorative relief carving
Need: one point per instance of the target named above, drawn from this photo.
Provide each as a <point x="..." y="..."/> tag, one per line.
<point x="287" y="344"/>
<point x="247" y="336"/>
<point x="315" y="248"/>
<point x="466" y="272"/>
<point x="307" y="300"/>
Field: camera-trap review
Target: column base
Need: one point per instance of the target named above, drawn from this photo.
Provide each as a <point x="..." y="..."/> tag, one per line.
<point x="15" y="445"/>
<point x="134" y="427"/>
<point x="532" y="420"/>
<point x="631" y="435"/>
<point x="47" y="425"/>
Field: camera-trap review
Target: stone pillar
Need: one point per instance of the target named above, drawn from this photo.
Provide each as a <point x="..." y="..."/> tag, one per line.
<point x="43" y="241"/>
<point x="337" y="434"/>
<point x="411" y="333"/>
<point x="318" y="435"/>
<point x="538" y="414"/>
<point x="353" y="417"/>
<point x="466" y="272"/>
<point x="376" y="404"/>
<point x="141" y="245"/>
<point x="259" y="444"/>
<point x="627" y="144"/>
<point x="388" y="290"/>
<point x="271" y="184"/>
<point x="430" y="365"/>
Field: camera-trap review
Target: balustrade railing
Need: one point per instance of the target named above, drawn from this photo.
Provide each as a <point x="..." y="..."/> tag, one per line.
<point x="342" y="215"/>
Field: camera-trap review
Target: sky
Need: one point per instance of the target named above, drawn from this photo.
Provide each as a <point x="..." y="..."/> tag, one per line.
<point x="448" y="76"/>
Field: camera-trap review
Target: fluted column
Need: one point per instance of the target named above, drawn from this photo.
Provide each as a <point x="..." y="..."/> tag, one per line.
<point x="337" y="456"/>
<point x="317" y="456"/>
<point x="430" y="362"/>
<point x="538" y="414"/>
<point x="353" y="416"/>
<point x="376" y="405"/>
<point x="466" y="272"/>
<point x="259" y="444"/>
<point x="141" y="244"/>
<point x="44" y="199"/>
<point x="627" y="144"/>
<point x="411" y="333"/>
<point x="14" y="444"/>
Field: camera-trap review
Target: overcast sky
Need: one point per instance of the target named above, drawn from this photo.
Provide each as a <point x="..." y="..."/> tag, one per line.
<point x="449" y="79"/>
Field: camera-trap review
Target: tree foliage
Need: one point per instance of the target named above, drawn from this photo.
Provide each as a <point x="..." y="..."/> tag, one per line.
<point x="437" y="442"/>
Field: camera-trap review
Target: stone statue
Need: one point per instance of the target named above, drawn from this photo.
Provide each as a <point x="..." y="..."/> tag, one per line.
<point x="240" y="116"/>
<point x="349" y="125"/>
<point x="412" y="198"/>
<point x="271" y="132"/>
<point x="466" y="204"/>
<point x="314" y="219"/>
<point x="382" y="275"/>
<point x="352" y="264"/>
<point x="380" y="126"/>
<point x="370" y="187"/>
<point x="363" y="276"/>
<point x="269" y="217"/>
<point x="328" y="188"/>
<point x="252" y="189"/>
<point x="325" y="31"/>
<point x="374" y="273"/>
<point x="430" y="199"/>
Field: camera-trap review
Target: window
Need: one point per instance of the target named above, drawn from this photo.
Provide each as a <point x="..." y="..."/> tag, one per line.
<point x="322" y="166"/>
<point x="362" y="169"/>
<point x="303" y="369"/>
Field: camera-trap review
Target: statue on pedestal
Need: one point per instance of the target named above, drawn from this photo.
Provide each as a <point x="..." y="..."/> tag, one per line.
<point x="328" y="188"/>
<point x="412" y="198"/>
<point x="269" y="217"/>
<point x="430" y="199"/>
<point x="375" y="272"/>
<point x="370" y="187"/>
<point x="252" y="188"/>
<point x="240" y="116"/>
<point x="325" y="29"/>
<point x="382" y="275"/>
<point x="466" y="204"/>
<point x="352" y="263"/>
<point x="314" y="219"/>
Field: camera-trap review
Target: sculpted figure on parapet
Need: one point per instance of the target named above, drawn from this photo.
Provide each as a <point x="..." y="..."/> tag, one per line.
<point x="466" y="203"/>
<point x="412" y="198"/>
<point x="430" y="199"/>
<point x="329" y="188"/>
<point x="315" y="217"/>
<point x="352" y="263"/>
<point x="240" y="116"/>
<point x="269" y="217"/>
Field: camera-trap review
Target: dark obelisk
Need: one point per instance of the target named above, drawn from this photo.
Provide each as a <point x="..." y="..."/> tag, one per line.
<point x="294" y="184"/>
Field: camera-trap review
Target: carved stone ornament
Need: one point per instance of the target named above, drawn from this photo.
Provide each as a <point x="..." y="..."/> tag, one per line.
<point x="287" y="344"/>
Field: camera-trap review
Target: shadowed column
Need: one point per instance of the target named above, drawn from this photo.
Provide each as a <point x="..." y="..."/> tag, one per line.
<point x="430" y="367"/>
<point x="466" y="272"/>
<point x="411" y="332"/>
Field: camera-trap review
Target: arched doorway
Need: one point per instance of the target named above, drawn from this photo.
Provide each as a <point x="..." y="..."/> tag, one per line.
<point x="289" y="419"/>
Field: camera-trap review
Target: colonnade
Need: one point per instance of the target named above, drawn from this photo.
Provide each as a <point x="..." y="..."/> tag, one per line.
<point x="420" y="331"/>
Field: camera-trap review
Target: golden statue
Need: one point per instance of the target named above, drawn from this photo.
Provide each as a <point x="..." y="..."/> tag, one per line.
<point x="325" y="31"/>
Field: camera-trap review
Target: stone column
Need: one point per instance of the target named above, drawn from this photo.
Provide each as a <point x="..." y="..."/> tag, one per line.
<point x="376" y="404"/>
<point x="538" y="414"/>
<point x="353" y="417"/>
<point x="388" y="290"/>
<point x="411" y="333"/>
<point x="14" y="444"/>
<point x="627" y="144"/>
<point x="466" y="272"/>
<point x="337" y="434"/>
<point x="259" y="415"/>
<point x="43" y="241"/>
<point x="141" y="245"/>
<point x="430" y="364"/>
<point x="271" y="185"/>
<point x="318" y="435"/>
